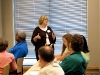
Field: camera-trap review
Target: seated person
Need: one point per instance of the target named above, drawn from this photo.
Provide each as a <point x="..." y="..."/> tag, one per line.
<point x="5" y="57"/>
<point x="46" y="59"/>
<point x="65" y="48"/>
<point x="65" y="52"/>
<point x="74" y="64"/>
<point x="21" y="48"/>
<point x="85" y="51"/>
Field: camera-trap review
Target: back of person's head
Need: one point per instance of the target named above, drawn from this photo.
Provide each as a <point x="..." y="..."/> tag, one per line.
<point x="21" y="34"/>
<point x="3" y="44"/>
<point x="46" y="53"/>
<point x="42" y="18"/>
<point x="68" y="39"/>
<point x="77" y="42"/>
<point x="85" y="46"/>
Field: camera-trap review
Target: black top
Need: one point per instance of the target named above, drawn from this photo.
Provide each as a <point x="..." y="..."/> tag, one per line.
<point x="42" y="41"/>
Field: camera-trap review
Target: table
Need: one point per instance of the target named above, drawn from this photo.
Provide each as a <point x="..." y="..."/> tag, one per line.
<point x="35" y="67"/>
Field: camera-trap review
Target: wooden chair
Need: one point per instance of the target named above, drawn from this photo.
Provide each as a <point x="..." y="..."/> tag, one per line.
<point x="20" y="66"/>
<point x="6" y="69"/>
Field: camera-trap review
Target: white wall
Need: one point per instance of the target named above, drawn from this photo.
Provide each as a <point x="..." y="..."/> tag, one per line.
<point x="99" y="34"/>
<point x="7" y="21"/>
<point x="93" y="32"/>
<point x="0" y="20"/>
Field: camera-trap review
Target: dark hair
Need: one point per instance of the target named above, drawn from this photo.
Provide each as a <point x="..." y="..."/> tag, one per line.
<point x="3" y="44"/>
<point x="68" y="38"/>
<point x="77" y="42"/>
<point x="46" y="53"/>
<point x="85" y="46"/>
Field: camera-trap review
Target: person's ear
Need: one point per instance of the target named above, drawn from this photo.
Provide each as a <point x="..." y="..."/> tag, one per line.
<point x="70" y="46"/>
<point x="39" y="57"/>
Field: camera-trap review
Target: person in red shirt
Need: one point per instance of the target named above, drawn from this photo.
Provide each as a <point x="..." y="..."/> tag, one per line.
<point x="5" y="57"/>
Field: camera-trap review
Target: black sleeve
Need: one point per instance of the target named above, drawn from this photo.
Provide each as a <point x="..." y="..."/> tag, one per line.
<point x="35" y="33"/>
<point x="54" y="40"/>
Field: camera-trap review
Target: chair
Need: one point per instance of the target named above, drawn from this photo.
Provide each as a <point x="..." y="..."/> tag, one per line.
<point x="20" y="66"/>
<point x="6" y="69"/>
<point x="19" y="70"/>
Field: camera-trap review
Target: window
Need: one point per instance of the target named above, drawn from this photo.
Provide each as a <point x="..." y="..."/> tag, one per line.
<point x="65" y="16"/>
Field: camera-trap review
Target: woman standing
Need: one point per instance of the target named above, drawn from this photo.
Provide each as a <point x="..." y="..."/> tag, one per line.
<point x="42" y="35"/>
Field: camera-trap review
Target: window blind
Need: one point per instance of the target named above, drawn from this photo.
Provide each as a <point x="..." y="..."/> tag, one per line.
<point x="65" y="16"/>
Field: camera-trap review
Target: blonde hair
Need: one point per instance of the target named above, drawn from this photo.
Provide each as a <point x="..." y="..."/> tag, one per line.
<point x="42" y="18"/>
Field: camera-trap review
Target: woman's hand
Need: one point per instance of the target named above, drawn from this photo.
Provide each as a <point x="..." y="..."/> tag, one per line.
<point x="37" y="37"/>
<point x="53" y="36"/>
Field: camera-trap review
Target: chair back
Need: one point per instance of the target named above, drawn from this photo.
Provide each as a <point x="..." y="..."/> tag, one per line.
<point x="20" y="64"/>
<point x="6" y="69"/>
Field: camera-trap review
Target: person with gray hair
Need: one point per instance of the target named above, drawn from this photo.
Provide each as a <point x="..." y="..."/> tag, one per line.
<point x="22" y="34"/>
<point x="21" y="48"/>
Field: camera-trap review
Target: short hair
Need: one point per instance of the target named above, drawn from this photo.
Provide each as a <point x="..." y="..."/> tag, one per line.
<point x="46" y="53"/>
<point x="3" y="44"/>
<point x="77" y="42"/>
<point x="21" y="34"/>
<point x="42" y="18"/>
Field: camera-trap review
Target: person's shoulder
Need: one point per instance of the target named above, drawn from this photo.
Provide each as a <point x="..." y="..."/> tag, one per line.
<point x="49" y="27"/>
<point x="11" y="55"/>
<point x="77" y="55"/>
<point x="55" y="66"/>
<point x="23" y="43"/>
<point x="71" y="57"/>
<point x="37" y="27"/>
<point x="84" y="53"/>
<point x="66" y="50"/>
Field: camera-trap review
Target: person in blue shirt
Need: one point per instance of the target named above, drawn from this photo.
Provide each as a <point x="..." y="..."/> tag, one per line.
<point x="21" y="48"/>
